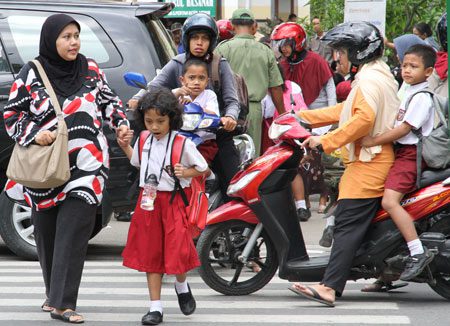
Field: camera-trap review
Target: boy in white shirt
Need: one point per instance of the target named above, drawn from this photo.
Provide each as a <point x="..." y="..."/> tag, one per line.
<point x="417" y="66"/>
<point x="195" y="80"/>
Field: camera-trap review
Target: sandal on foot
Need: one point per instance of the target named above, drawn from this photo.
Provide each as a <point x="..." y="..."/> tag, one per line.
<point x="65" y="317"/>
<point x="46" y="306"/>
<point x="380" y="286"/>
<point x="322" y="209"/>
<point x="314" y="297"/>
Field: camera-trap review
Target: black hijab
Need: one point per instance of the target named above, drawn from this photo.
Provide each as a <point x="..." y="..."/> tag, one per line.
<point x="66" y="77"/>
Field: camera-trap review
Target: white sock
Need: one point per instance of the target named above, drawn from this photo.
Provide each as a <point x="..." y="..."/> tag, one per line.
<point x="300" y="204"/>
<point x="330" y="221"/>
<point x="415" y="247"/>
<point x="182" y="287"/>
<point x="156" y="305"/>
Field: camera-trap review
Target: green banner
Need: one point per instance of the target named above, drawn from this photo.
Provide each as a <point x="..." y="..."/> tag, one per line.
<point x="186" y="8"/>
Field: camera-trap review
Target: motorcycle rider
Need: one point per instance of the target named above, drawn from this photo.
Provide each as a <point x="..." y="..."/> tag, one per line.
<point x="199" y="37"/>
<point x="370" y="109"/>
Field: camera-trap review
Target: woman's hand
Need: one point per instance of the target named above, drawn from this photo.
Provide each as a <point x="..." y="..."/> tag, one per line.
<point x="122" y="131"/>
<point x="133" y="104"/>
<point x="45" y="138"/>
<point x="228" y="123"/>
<point x="312" y="142"/>
<point x="367" y="141"/>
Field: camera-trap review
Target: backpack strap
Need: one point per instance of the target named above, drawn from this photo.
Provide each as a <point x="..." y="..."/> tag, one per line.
<point x="175" y="158"/>
<point x="215" y="72"/>
<point x="143" y="136"/>
<point x="418" y="132"/>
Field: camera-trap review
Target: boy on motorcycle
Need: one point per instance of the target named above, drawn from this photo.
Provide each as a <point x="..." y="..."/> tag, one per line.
<point x="199" y="38"/>
<point x="417" y="66"/>
<point x="370" y="109"/>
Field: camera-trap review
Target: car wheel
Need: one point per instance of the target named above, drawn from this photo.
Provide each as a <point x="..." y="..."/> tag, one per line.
<point x="16" y="229"/>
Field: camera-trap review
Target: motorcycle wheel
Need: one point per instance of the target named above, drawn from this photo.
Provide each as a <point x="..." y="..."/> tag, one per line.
<point x="442" y="286"/>
<point x="219" y="247"/>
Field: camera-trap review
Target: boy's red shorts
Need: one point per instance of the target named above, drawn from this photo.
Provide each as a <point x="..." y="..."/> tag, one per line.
<point x="402" y="176"/>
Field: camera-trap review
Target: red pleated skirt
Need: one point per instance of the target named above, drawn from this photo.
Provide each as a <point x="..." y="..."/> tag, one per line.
<point x="159" y="241"/>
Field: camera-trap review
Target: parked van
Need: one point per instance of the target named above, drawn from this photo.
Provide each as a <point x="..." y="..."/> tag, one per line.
<point x="121" y="37"/>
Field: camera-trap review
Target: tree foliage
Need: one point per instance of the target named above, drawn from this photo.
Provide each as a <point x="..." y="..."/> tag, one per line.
<point x="401" y="15"/>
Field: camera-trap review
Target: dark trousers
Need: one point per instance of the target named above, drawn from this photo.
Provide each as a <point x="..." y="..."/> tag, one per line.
<point x="226" y="162"/>
<point x="62" y="234"/>
<point x="353" y="217"/>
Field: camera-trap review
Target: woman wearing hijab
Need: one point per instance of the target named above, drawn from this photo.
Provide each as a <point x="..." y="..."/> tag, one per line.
<point x="64" y="217"/>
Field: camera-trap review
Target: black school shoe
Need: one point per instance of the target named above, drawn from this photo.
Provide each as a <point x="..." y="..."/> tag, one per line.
<point x="186" y="302"/>
<point x="303" y="214"/>
<point x="416" y="264"/>
<point x="152" y="318"/>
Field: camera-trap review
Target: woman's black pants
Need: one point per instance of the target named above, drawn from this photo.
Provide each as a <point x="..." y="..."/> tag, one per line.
<point x="353" y="218"/>
<point x="62" y="234"/>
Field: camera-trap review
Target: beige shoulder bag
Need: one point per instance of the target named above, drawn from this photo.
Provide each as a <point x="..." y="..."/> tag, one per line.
<point x="42" y="167"/>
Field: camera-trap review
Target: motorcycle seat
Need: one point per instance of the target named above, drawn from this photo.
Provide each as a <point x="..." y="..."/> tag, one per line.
<point x="431" y="176"/>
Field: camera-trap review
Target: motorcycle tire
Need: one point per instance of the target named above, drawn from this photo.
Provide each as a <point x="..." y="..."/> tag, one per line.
<point x="442" y="285"/>
<point x="219" y="247"/>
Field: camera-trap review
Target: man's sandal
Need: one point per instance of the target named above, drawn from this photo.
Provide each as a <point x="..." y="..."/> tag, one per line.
<point x="65" y="317"/>
<point x="381" y="286"/>
<point x="46" y="306"/>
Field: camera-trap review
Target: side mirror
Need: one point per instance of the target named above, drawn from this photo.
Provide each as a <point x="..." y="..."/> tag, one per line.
<point x="135" y="79"/>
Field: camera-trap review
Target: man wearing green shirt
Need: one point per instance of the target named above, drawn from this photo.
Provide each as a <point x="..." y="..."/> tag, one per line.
<point x="257" y="64"/>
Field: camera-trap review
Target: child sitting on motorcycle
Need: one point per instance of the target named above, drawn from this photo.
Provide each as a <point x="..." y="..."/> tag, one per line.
<point x="194" y="80"/>
<point x="418" y="115"/>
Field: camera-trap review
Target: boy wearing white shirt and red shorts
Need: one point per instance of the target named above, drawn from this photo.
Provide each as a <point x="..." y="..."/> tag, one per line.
<point x="417" y="66"/>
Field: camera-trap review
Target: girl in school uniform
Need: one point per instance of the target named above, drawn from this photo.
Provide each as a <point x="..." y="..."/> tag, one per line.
<point x="159" y="241"/>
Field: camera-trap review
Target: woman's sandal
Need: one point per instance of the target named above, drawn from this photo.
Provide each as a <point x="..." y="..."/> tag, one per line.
<point x="46" y="306"/>
<point x="322" y="209"/>
<point x="65" y="317"/>
<point x="380" y="286"/>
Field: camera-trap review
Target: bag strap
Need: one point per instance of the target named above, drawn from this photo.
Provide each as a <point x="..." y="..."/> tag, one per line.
<point x="418" y="134"/>
<point x="48" y="87"/>
<point x="175" y="158"/>
<point x="143" y="136"/>
<point x="215" y="72"/>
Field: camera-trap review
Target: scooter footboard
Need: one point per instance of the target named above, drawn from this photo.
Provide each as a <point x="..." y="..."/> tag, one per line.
<point x="233" y="210"/>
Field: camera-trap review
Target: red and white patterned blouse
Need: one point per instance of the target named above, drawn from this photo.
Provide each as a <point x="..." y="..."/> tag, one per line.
<point x="29" y="111"/>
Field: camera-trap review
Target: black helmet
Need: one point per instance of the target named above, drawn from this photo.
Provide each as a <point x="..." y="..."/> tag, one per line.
<point x="362" y="40"/>
<point x="441" y="31"/>
<point x="199" y="22"/>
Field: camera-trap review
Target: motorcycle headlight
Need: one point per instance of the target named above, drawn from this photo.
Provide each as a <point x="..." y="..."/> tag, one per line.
<point x="190" y="121"/>
<point x="276" y="130"/>
<point x="205" y="123"/>
<point x="242" y="182"/>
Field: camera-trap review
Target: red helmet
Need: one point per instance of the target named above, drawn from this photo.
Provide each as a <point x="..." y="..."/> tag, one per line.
<point x="225" y="29"/>
<point x="289" y="32"/>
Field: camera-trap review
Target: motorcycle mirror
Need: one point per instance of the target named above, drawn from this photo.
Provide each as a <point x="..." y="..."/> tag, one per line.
<point x="302" y="122"/>
<point x="135" y="79"/>
<point x="446" y="182"/>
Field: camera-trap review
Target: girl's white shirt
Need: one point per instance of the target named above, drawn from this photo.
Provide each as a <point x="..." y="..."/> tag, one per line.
<point x="190" y="157"/>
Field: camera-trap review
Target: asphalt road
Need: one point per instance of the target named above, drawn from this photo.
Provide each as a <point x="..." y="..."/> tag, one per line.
<point x="113" y="295"/>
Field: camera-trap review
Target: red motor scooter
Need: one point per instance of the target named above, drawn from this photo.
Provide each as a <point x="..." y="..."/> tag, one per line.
<point x="260" y="228"/>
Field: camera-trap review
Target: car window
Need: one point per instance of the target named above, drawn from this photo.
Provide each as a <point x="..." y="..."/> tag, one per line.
<point x="4" y="66"/>
<point x="163" y="44"/>
<point x="25" y="32"/>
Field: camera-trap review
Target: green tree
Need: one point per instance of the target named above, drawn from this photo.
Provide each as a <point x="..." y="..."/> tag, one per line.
<point x="401" y="15"/>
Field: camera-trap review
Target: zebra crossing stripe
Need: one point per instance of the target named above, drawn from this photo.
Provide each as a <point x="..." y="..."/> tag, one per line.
<point x="206" y="304"/>
<point x="209" y="319"/>
<point x="166" y="290"/>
